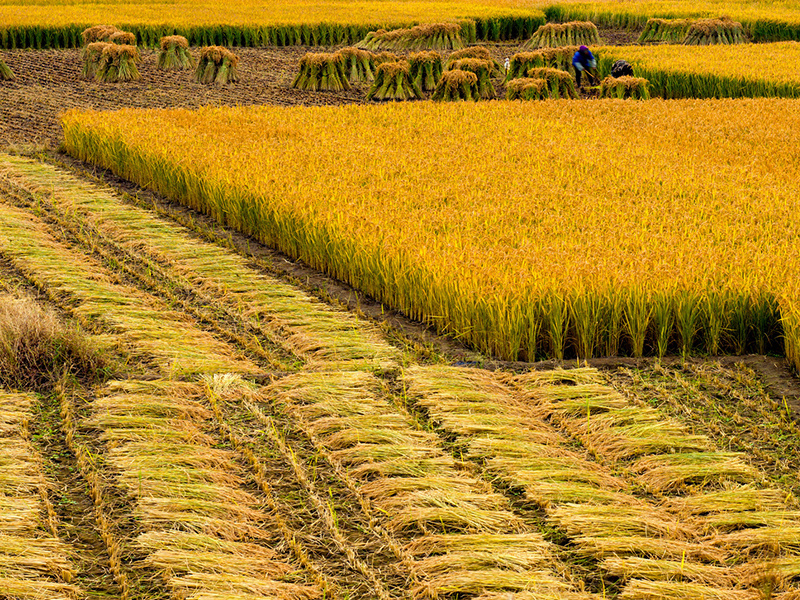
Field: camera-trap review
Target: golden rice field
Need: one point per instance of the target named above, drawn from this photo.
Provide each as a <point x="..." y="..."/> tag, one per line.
<point x="557" y="229"/>
<point x="747" y="70"/>
<point x="186" y="423"/>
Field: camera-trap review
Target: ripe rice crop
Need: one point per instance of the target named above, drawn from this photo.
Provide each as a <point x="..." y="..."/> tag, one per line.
<point x="457" y="85"/>
<point x="705" y="32"/>
<point x="359" y="65"/>
<point x="554" y="58"/>
<point x="629" y="264"/>
<point x="555" y="35"/>
<point x="625" y="87"/>
<point x="483" y="69"/>
<point x="425" y="69"/>
<point x="472" y="52"/>
<point x="665" y="30"/>
<point x="174" y="53"/>
<point x="117" y="63"/>
<point x="560" y="83"/>
<point x="527" y="88"/>
<point x="718" y="71"/>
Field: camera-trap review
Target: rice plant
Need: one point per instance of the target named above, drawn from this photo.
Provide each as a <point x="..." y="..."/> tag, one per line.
<point x="560" y="83"/>
<point x="125" y="38"/>
<point x="174" y="53"/>
<point x="636" y="88"/>
<point x="483" y="69"/>
<point x="554" y="35"/>
<point x="705" y="32"/>
<point x="433" y="36"/>
<point x="383" y="57"/>
<point x="457" y="85"/>
<point x="359" y="65"/>
<point x="527" y="88"/>
<point x="117" y="63"/>
<point x="554" y="58"/>
<point x="92" y="54"/>
<point x="672" y="31"/>
<point x="98" y="33"/>
<point x="6" y="74"/>
<point x="322" y="71"/>
<point x="393" y="82"/>
<point x="216" y="65"/>
<point x="426" y="69"/>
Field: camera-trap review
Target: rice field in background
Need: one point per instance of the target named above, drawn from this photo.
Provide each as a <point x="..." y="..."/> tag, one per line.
<point x="273" y="446"/>
<point x="526" y="231"/>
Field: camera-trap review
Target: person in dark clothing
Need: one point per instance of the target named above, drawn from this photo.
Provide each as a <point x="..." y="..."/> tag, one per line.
<point x="584" y="60"/>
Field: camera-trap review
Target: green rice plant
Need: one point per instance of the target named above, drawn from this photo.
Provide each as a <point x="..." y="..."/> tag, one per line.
<point x="672" y="31"/>
<point x="705" y="32"/>
<point x="322" y="71"/>
<point x="480" y="52"/>
<point x="174" y="53"/>
<point x="434" y="36"/>
<point x="635" y="88"/>
<point x="425" y="69"/>
<point x="554" y="35"/>
<point x="393" y="82"/>
<point x="482" y="69"/>
<point x="216" y="65"/>
<point x="359" y="65"/>
<point x="118" y="63"/>
<point x="560" y="83"/>
<point x="6" y="74"/>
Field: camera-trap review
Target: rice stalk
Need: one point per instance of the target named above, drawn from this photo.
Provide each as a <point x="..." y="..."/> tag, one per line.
<point x="705" y="32"/>
<point x="665" y="30"/>
<point x="483" y="69"/>
<point x="636" y="88"/>
<point x="6" y="74"/>
<point x="434" y="36"/>
<point x="456" y="85"/>
<point x="632" y="567"/>
<point x="425" y="69"/>
<point x="393" y="81"/>
<point x="640" y="589"/>
<point x="118" y="63"/>
<point x="174" y="53"/>
<point x="573" y="33"/>
<point x="358" y="65"/>
<point x="216" y="65"/>
<point x="322" y="71"/>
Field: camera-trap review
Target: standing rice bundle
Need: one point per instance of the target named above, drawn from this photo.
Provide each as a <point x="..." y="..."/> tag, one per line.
<point x="665" y="30"/>
<point x="705" y="32"/>
<point x="117" y="63"/>
<point x="560" y="83"/>
<point x="216" y="65"/>
<point x="482" y="69"/>
<point x="554" y="58"/>
<point x="637" y="88"/>
<point x="433" y="36"/>
<point x="358" y="65"/>
<point x="457" y="85"/>
<point x="393" y="82"/>
<point x="124" y="38"/>
<point x="554" y="35"/>
<point x="98" y="33"/>
<point x="527" y="88"/>
<point x="475" y="52"/>
<point x="6" y="74"/>
<point x="174" y="53"/>
<point x="91" y="59"/>
<point x="426" y="69"/>
<point x="322" y="71"/>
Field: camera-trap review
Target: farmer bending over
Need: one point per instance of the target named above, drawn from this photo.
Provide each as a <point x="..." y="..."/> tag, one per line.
<point x="584" y="59"/>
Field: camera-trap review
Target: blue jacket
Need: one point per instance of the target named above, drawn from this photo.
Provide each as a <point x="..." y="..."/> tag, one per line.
<point x="584" y="61"/>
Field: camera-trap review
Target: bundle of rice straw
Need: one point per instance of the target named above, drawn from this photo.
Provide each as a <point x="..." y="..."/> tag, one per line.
<point x="359" y="65"/>
<point x="554" y="35"/>
<point x="482" y="69"/>
<point x="475" y="52"/>
<point x="426" y="69"/>
<point x="6" y="74"/>
<point x="433" y="36"/>
<point x="637" y="88"/>
<point x="216" y="65"/>
<point x="117" y="63"/>
<point x="174" y="53"/>
<point x="560" y="83"/>
<point x="706" y="32"/>
<point x="393" y="82"/>
<point x="322" y="71"/>
<point x="457" y="85"/>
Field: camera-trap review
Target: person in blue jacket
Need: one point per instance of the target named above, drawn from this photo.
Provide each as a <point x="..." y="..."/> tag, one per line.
<point x="582" y="60"/>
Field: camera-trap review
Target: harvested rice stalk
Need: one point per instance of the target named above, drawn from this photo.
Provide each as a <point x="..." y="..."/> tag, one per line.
<point x="527" y="88"/>
<point x="216" y="65"/>
<point x="358" y="64"/>
<point x="91" y="59"/>
<point x="457" y="85"/>
<point x="393" y="82"/>
<point x="773" y="540"/>
<point x="560" y="83"/>
<point x="665" y="30"/>
<point x="554" y="35"/>
<point x="382" y="57"/>
<point x="769" y="572"/>
<point x="554" y="58"/>
<point x="636" y="88"/>
<point x="174" y="54"/>
<point x="730" y="521"/>
<point x="661" y="548"/>
<point x="619" y="520"/>
<point x="426" y="69"/>
<point x="638" y="589"/>
<point x="705" y="32"/>
<point x="435" y="36"/>
<point x="671" y="471"/>
<point x="118" y="63"/>
<point x="322" y="71"/>
<point x="475" y="52"/>
<point x="6" y="74"/>
<point x="741" y="498"/>
<point x="669" y="570"/>
<point x="124" y="38"/>
<point x="483" y="70"/>
<point x="98" y="33"/>
<point x="476" y="582"/>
